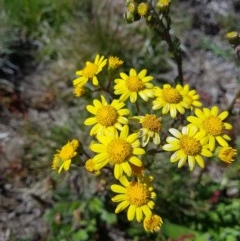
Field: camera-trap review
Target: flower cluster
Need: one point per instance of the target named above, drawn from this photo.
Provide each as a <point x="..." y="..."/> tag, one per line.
<point x="121" y="131"/>
<point x="130" y="112"/>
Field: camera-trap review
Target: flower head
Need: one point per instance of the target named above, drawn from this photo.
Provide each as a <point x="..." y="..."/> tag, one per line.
<point x="191" y="97"/>
<point x="171" y="100"/>
<point x="134" y="84"/>
<point x="107" y="116"/>
<point x="151" y="126"/>
<point x="152" y="223"/>
<point x="163" y="5"/>
<point x="189" y="145"/>
<point x="90" y="71"/>
<point x="90" y="166"/>
<point x="62" y="160"/>
<point x="142" y="9"/>
<point x="136" y="196"/>
<point x="114" y="62"/>
<point x="213" y="124"/>
<point x="226" y="154"/>
<point x="118" y="150"/>
<point x="78" y="90"/>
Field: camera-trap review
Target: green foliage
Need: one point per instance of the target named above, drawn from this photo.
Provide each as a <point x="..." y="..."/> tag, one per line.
<point x="78" y="220"/>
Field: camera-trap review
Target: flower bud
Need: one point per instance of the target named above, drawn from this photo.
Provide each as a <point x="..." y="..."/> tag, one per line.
<point x="233" y="38"/>
<point x="142" y="9"/>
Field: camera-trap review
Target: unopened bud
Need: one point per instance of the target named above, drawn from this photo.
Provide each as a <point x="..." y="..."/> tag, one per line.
<point x="129" y="17"/>
<point x="233" y="38"/>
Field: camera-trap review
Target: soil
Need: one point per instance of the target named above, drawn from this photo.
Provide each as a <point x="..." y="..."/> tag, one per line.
<point x="28" y="105"/>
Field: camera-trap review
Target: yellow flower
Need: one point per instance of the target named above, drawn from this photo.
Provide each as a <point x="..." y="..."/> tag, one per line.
<point x="131" y="7"/>
<point x="171" y="100"/>
<point x="152" y="223"/>
<point x="189" y="145"/>
<point x="114" y="62"/>
<point x="78" y="90"/>
<point x="163" y="4"/>
<point x="226" y="154"/>
<point x="90" y="71"/>
<point x="133" y="85"/>
<point x="151" y="126"/>
<point x="212" y="123"/>
<point x="118" y="150"/>
<point x="142" y="9"/>
<point x="90" y="166"/>
<point x="107" y="116"/>
<point x="62" y="160"/>
<point x="233" y="37"/>
<point x="136" y="196"/>
<point x="191" y="97"/>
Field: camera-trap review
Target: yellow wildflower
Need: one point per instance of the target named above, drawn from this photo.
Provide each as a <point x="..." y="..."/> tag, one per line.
<point x="134" y="84"/>
<point x="152" y="223"/>
<point x="118" y="150"/>
<point x="189" y="145"/>
<point x="90" y="71"/>
<point x="213" y="124"/>
<point x="62" y="160"/>
<point x="107" y="116"/>
<point x="226" y="154"/>
<point x="136" y="196"/>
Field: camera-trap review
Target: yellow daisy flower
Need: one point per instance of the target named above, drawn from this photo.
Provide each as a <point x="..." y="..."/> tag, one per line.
<point x="142" y="9"/>
<point x="114" y="62"/>
<point x="62" y="160"/>
<point x="134" y="84"/>
<point x="152" y="223"/>
<point x="171" y="100"/>
<point x="118" y="150"/>
<point x="191" y="97"/>
<point x="212" y="123"/>
<point x="107" y="116"/>
<point x="151" y="126"/>
<point x="90" y="71"/>
<point x="226" y="154"/>
<point x="135" y="195"/>
<point x="190" y="144"/>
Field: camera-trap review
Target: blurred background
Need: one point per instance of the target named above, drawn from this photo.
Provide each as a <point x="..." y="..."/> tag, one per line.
<point x="42" y="44"/>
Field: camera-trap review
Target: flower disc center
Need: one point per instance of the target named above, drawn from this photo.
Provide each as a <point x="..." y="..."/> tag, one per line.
<point x="190" y="145"/>
<point x="213" y="125"/>
<point x="119" y="151"/>
<point x="137" y="194"/>
<point x="152" y="123"/>
<point x="90" y="70"/>
<point x="134" y="84"/>
<point x="107" y="116"/>
<point x="172" y="96"/>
